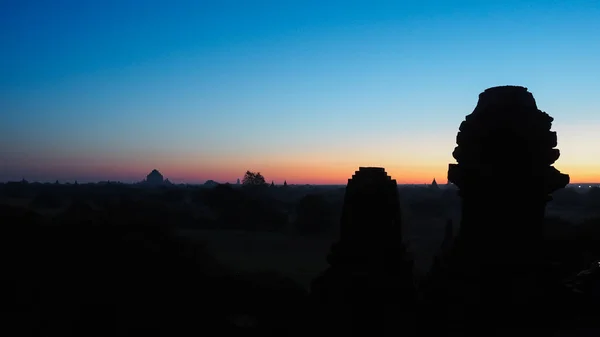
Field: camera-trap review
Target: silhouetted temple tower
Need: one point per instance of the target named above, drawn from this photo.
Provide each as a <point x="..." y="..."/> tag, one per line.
<point x="371" y="212"/>
<point x="507" y="141"/>
<point x="369" y="285"/>
<point x="497" y="257"/>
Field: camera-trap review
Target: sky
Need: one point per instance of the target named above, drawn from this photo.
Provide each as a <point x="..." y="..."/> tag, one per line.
<point x="304" y="91"/>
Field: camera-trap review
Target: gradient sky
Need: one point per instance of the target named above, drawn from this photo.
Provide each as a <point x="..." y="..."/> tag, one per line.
<point x="305" y="91"/>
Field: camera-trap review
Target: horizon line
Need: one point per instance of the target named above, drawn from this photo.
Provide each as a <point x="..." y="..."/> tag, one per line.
<point x="69" y="182"/>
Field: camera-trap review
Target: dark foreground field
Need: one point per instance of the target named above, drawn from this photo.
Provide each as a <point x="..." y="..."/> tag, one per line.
<point x="297" y="257"/>
<point x="81" y="253"/>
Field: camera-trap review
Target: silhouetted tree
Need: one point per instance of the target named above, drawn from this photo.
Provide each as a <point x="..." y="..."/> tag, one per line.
<point x="16" y="189"/>
<point x="593" y="198"/>
<point x="46" y="199"/>
<point x="428" y="205"/>
<point x="285" y="183"/>
<point x="253" y="179"/>
<point x="224" y="199"/>
<point x="314" y="214"/>
<point x="567" y="197"/>
<point x="172" y="195"/>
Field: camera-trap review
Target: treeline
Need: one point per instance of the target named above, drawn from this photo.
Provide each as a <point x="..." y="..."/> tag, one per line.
<point x="573" y="197"/>
<point x="299" y="210"/>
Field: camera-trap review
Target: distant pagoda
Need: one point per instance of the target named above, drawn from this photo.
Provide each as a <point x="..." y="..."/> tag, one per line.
<point x="154" y="178"/>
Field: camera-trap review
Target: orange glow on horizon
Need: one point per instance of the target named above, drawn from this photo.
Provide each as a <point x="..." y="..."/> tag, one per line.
<point x="293" y="173"/>
<point x="338" y="174"/>
<point x="322" y="170"/>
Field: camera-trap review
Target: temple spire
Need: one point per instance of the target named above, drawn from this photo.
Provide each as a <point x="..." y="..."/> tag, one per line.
<point x="434" y="184"/>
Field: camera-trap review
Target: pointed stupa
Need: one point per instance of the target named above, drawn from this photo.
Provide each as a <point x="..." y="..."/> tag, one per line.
<point x="154" y="178"/>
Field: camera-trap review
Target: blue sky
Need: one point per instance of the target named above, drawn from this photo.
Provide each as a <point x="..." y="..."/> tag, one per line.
<point x="301" y="90"/>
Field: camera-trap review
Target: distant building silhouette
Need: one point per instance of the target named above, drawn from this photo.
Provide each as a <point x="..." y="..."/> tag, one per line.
<point x="434" y="184"/>
<point x="210" y="183"/>
<point x="154" y="178"/>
